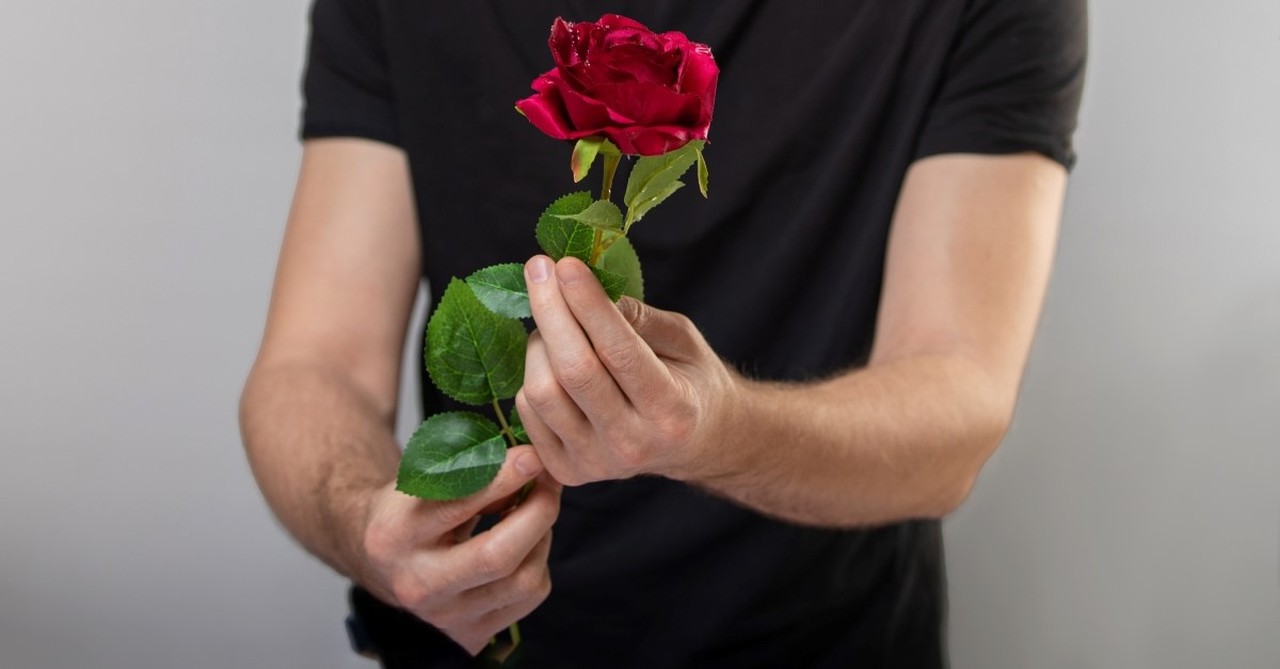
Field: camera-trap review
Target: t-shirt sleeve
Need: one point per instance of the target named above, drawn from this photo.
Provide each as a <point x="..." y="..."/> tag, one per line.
<point x="1012" y="81"/>
<point x="346" y="88"/>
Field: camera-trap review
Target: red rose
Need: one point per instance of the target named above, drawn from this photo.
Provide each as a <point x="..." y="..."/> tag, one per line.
<point x="645" y="92"/>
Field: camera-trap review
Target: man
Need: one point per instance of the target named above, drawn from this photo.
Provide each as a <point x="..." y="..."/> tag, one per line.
<point x="749" y="472"/>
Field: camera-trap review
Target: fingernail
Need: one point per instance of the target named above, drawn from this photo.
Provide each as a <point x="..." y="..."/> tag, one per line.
<point x="538" y="269"/>
<point x="570" y="272"/>
<point x="528" y="464"/>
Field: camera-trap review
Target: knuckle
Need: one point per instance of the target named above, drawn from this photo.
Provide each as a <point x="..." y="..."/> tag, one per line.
<point x="578" y="373"/>
<point x="540" y="393"/>
<point x="410" y="593"/>
<point x="377" y="542"/>
<point x="544" y="584"/>
<point x="638" y="314"/>
<point x="690" y="336"/>
<point x="494" y="562"/>
<point x="678" y="426"/>
<point x="522" y="404"/>
<point x="621" y="357"/>
<point x="528" y="582"/>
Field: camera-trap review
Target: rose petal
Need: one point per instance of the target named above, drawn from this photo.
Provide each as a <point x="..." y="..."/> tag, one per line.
<point x="653" y="141"/>
<point x="650" y="104"/>
<point x="632" y="62"/>
<point x="585" y="112"/>
<point x="545" y="82"/>
<point x="648" y="93"/>
<point x="586" y="78"/>
<point x="612" y="22"/>
<point x="699" y="75"/>
<point x="562" y="42"/>
<point x="546" y="112"/>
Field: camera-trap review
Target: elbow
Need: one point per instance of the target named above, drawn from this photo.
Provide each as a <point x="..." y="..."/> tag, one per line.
<point x="969" y="453"/>
<point x="948" y="498"/>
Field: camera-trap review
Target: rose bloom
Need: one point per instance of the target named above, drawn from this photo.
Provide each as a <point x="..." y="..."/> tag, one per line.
<point x="648" y="93"/>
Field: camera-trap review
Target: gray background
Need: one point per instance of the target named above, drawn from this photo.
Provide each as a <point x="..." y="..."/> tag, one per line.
<point x="1131" y="519"/>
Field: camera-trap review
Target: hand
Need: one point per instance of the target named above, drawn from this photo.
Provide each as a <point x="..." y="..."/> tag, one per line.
<point x="421" y="555"/>
<point x="614" y="392"/>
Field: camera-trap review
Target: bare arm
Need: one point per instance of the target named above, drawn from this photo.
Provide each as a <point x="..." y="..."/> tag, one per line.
<point x="904" y="437"/>
<point x="968" y="263"/>
<point x="318" y="411"/>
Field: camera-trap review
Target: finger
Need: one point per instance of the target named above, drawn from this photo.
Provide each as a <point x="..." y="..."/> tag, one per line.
<point x="497" y="553"/>
<point x="464" y="609"/>
<point x="668" y="334"/>
<point x="547" y="398"/>
<point x="550" y="448"/>
<point x="513" y="613"/>
<point x="437" y="519"/>
<point x="628" y="358"/>
<point x="503" y="618"/>
<point x="530" y="579"/>
<point x="573" y="361"/>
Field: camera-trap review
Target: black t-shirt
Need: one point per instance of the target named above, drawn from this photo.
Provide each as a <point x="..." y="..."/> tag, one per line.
<point x="821" y="108"/>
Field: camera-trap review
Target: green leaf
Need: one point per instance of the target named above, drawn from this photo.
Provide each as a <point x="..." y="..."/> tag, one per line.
<point x="559" y="236"/>
<point x="451" y="455"/>
<point x="621" y="259"/>
<point x="652" y="176"/>
<point x="573" y="203"/>
<point x="608" y="148"/>
<point x="517" y="427"/>
<point x="615" y="285"/>
<point x="501" y="288"/>
<point x="584" y="154"/>
<point x="703" y="173"/>
<point x="639" y="209"/>
<point x="601" y="214"/>
<point x="474" y="355"/>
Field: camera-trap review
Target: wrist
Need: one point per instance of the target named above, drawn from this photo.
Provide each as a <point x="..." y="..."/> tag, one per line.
<point x="725" y="441"/>
<point x="349" y="511"/>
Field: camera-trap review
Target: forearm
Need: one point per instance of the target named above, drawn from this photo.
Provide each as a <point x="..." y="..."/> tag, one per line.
<point x="611" y="393"/>
<point x="897" y="440"/>
<point x="318" y="446"/>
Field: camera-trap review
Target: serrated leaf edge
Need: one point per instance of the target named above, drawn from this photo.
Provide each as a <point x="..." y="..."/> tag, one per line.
<point x="404" y="473"/>
<point x="472" y="280"/>
<point x="472" y="331"/>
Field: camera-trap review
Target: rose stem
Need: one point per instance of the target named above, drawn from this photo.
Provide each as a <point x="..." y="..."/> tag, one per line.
<point x="611" y="161"/>
<point x="514" y="629"/>
<point x="595" y="247"/>
<point x="502" y="420"/>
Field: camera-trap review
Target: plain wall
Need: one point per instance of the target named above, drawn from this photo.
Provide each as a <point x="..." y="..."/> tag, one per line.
<point x="147" y="157"/>
<point x="1132" y="516"/>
